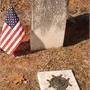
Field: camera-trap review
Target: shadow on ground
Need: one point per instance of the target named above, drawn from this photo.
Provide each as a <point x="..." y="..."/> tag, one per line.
<point x="23" y="49"/>
<point x="77" y="29"/>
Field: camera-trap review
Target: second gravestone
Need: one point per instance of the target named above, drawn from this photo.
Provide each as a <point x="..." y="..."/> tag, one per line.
<point x="48" y="23"/>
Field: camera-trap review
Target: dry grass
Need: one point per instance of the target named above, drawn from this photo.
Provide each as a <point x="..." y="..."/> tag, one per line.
<point x="20" y="73"/>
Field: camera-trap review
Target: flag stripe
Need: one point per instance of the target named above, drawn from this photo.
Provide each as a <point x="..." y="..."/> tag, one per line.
<point x="9" y="39"/>
<point x="2" y="42"/>
<point x="16" y="44"/>
<point x="4" y="26"/>
<point x="4" y="29"/>
<point x="15" y="37"/>
<point x="10" y="34"/>
<point x="4" y="33"/>
<point x="13" y="42"/>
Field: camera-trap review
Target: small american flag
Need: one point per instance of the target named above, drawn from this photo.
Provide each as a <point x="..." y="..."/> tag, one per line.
<point x="12" y="33"/>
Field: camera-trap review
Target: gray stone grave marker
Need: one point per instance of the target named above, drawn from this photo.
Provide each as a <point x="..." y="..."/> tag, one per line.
<point x="48" y="23"/>
<point x="57" y="80"/>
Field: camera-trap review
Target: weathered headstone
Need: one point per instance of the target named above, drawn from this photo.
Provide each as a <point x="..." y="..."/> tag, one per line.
<point x="48" y="23"/>
<point x="57" y="80"/>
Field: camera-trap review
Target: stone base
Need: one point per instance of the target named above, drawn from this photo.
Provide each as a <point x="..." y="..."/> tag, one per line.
<point x="57" y="80"/>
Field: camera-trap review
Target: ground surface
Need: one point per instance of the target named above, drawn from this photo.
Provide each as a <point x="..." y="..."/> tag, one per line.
<point x="20" y="72"/>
